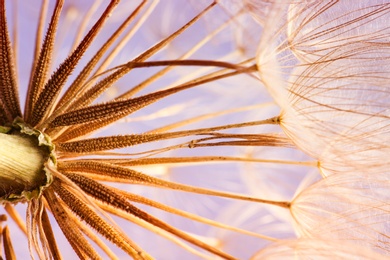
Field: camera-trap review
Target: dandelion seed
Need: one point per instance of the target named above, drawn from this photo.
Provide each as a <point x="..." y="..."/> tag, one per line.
<point x="355" y="210"/>
<point x="328" y="72"/>
<point x="315" y="249"/>
<point x="76" y="181"/>
<point x="143" y="131"/>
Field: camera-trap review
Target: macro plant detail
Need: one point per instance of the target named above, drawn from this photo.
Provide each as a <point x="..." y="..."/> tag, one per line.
<point x="331" y="66"/>
<point x="215" y="129"/>
<point x="314" y="248"/>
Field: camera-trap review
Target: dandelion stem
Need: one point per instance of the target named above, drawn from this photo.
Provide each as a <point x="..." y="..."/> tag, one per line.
<point x="37" y="49"/>
<point x="132" y="176"/>
<point x="172" y="161"/>
<point x="42" y="64"/>
<point x="155" y="204"/>
<point x="13" y="213"/>
<point x="8" y="248"/>
<point x="116" y="142"/>
<point x="79" y="83"/>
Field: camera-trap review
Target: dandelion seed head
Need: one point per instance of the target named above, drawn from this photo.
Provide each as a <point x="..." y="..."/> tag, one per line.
<point x="183" y="129"/>
<point x="355" y="209"/>
<point x="332" y="96"/>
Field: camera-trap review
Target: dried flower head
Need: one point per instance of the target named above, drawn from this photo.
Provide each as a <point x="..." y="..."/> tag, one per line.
<point x="53" y="159"/>
<point x="148" y="124"/>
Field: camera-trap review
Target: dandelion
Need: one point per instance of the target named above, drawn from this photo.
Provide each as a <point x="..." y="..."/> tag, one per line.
<point x="315" y="249"/>
<point x="355" y="209"/>
<point x="325" y="63"/>
<point x="148" y="127"/>
<point x="327" y="69"/>
<point x="53" y="158"/>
